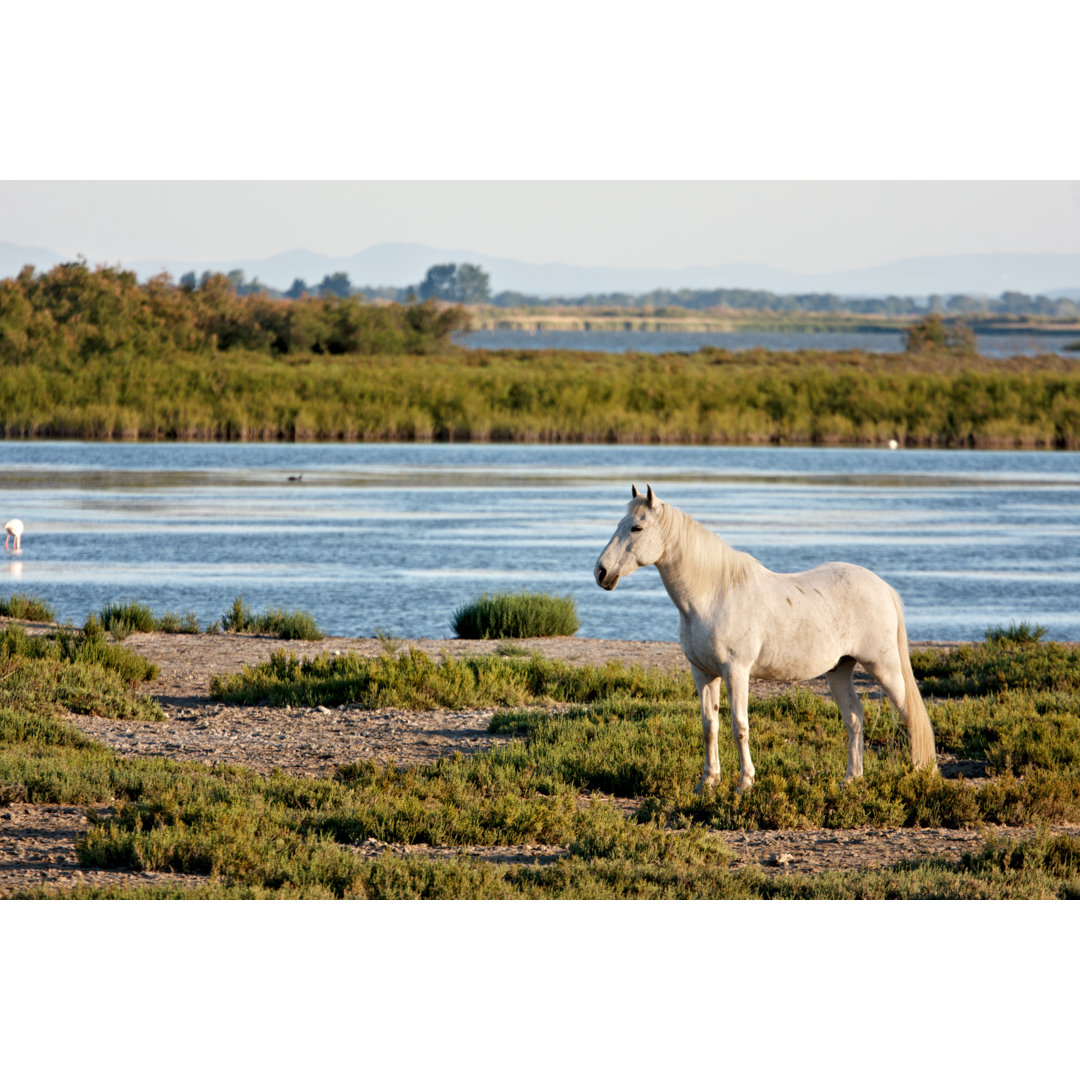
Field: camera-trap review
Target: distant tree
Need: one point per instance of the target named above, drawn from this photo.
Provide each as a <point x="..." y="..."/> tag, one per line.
<point x="516" y="299"/>
<point x="965" y="304"/>
<point x="438" y="283"/>
<point x="1014" y="303"/>
<point x="383" y="292"/>
<point x="236" y="279"/>
<point x="296" y="289"/>
<point x="336" y="285"/>
<point x="188" y="281"/>
<point x="472" y="285"/>
<point x="934" y="333"/>
<point x="464" y="284"/>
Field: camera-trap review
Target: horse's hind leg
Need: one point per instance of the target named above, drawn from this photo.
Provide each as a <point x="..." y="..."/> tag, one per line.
<point x="738" y="686"/>
<point x="842" y="688"/>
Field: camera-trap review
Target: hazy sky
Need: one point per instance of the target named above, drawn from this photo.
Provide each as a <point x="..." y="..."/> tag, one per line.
<point x="808" y="225"/>
<point x="810" y="137"/>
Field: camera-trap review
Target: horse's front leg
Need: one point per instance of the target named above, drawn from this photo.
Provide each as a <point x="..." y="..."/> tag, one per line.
<point x="709" y="690"/>
<point x="843" y="691"/>
<point x="738" y="684"/>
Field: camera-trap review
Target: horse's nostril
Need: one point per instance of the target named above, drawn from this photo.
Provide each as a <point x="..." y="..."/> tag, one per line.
<point x="601" y="573"/>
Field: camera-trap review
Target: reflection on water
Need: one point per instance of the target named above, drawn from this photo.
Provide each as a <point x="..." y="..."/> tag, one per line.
<point x="397" y="537"/>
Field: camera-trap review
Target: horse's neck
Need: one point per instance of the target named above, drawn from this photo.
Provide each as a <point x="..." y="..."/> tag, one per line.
<point x="697" y="566"/>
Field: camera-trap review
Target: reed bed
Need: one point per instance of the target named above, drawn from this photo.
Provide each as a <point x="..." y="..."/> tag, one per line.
<point x="928" y="399"/>
<point x="807" y="398"/>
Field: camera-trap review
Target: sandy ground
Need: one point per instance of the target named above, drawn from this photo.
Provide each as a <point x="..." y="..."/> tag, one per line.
<point x="37" y="843"/>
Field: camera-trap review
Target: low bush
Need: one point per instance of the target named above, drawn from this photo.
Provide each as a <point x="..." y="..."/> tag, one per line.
<point x="72" y="670"/>
<point x="416" y="681"/>
<point x="121" y="619"/>
<point x="1022" y="633"/>
<point x="173" y="623"/>
<point x="1016" y="658"/>
<point x="28" y="608"/>
<point x="517" y="615"/>
<point x="287" y="625"/>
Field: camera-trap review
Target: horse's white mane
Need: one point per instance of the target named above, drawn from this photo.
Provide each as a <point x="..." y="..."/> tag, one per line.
<point x="702" y="550"/>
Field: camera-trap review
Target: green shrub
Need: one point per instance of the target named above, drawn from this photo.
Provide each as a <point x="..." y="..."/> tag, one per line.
<point x="288" y="625"/>
<point x="173" y="623"/>
<point x="517" y="615"/>
<point x="72" y="671"/>
<point x="416" y="681"/>
<point x="1007" y="659"/>
<point x="29" y="608"/>
<point x="934" y="332"/>
<point x="121" y="619"/>
<point x="1022" y="633"/>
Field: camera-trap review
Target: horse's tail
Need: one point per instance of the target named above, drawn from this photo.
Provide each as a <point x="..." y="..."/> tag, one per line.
<point x="920" y="733"/>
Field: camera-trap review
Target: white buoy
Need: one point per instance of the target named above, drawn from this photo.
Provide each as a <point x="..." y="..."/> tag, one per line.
<point x="13" y="529"/>
<point x="893" y="444"/>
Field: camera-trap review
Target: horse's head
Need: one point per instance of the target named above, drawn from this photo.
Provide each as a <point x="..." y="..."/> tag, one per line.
<point x="638" y="541"/>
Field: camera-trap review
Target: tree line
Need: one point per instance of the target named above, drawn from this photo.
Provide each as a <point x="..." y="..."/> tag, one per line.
<point x="470" y="284"/>
<point x="74" y="313"/>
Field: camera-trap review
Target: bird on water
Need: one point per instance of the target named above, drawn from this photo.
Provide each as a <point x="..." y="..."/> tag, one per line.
<point x="13" y="529"/>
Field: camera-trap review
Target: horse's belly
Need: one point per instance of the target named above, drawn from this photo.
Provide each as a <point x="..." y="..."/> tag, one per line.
<point x="794" y="666"/>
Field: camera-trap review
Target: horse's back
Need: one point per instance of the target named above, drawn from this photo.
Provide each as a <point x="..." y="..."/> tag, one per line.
<point x="841" y="579"/>
<point x="800" y="625"/>
<point x="849" y="595"/>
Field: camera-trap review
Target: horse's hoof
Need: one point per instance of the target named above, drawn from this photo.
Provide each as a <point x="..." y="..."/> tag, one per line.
<point x="745" y="785"/>
<point x="707" y="782"/>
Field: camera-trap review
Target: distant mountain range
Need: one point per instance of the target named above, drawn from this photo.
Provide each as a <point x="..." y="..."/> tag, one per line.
<point x="401" y="265"/>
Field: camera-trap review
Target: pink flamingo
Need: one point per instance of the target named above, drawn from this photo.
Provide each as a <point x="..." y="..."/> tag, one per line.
<point x="13" y="528"/>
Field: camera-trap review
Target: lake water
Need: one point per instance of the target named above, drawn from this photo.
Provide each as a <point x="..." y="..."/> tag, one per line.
<point x="997" y="345"/>
<point x="396" y="537"/>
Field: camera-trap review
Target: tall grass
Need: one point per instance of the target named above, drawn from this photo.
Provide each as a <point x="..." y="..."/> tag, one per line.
<point x="517" y="615"/>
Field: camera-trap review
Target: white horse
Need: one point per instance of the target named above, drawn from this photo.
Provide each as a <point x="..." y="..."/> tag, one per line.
<point x="738" y="619"/>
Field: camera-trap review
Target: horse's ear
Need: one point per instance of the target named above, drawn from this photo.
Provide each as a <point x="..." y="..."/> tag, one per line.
<point x="634" y="491"/>
<point x="651" y="497"/>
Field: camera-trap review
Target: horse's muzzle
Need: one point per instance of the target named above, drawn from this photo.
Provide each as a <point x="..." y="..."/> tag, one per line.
<point x="602" y="578"/>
